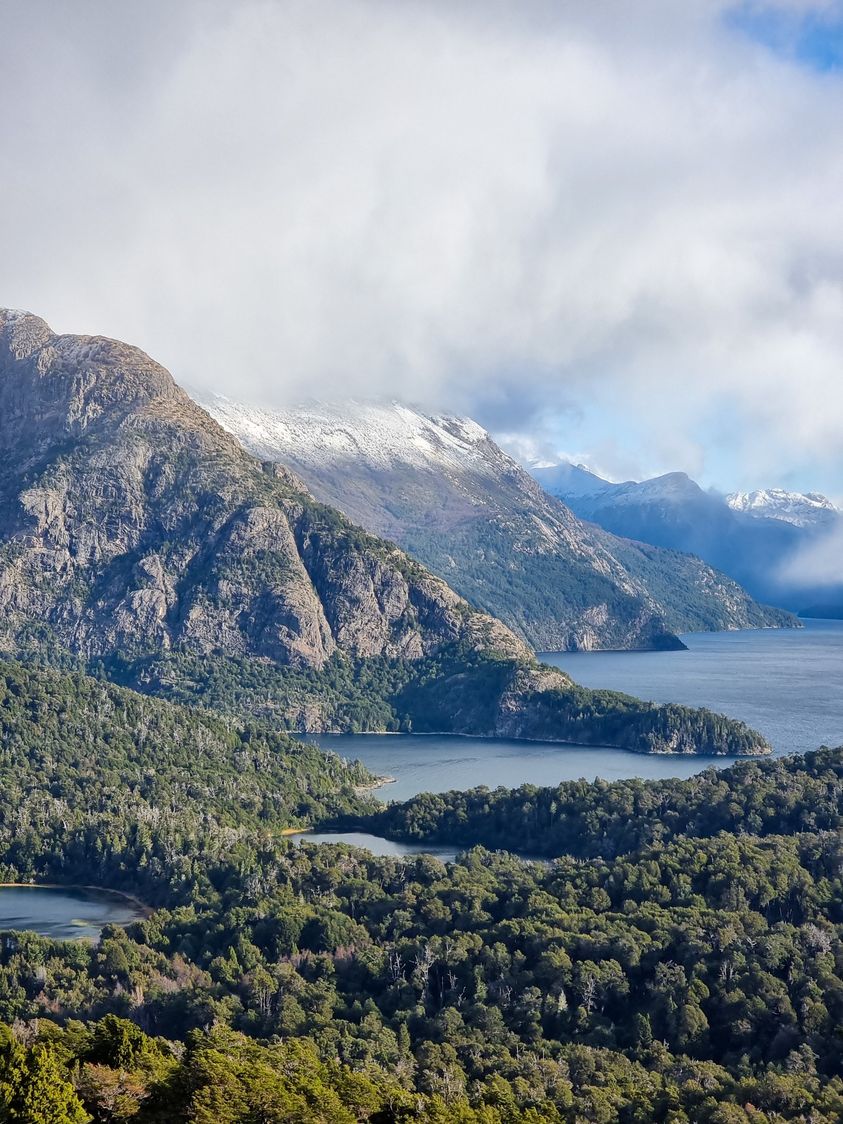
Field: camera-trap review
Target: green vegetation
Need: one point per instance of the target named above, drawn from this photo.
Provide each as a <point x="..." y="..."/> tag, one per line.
<point x="73" y="748"/>
<point x="543" y="595"/>
<point x="682" y="965"/>
<point x="684" y="590"/>
<point x="536" y="591"/>
<point x="345" y="695"/>
<point x="775" y="796"/>
<point x="458" y="691"/>
<point x="687" y="983"/>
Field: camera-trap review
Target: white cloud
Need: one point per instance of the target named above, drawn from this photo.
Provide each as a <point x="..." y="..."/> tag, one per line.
<point x="819" y="563"/>
<point x="504" y="209"/>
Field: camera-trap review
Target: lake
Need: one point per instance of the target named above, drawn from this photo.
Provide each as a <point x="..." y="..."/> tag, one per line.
<point x="787" y="683"/>
<point x="375" y="843"/>
<point x="61" y="913"/>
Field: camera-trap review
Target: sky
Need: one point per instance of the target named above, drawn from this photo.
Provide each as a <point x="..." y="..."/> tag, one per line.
<point x="607" y="231"/>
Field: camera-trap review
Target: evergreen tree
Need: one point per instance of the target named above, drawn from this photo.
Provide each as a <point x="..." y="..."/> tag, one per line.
<point x="41" y="1092"/>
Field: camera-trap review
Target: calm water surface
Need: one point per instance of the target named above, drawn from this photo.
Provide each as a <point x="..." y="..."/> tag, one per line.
<point x="374" y="843"/>
<point x="61" y="913"/>
<point x="786" y="683"/>
<point x="380" y="846"/>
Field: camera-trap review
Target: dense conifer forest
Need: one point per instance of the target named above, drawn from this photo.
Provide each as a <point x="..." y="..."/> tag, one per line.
<point x="775" y="796"/>
<point x="679" y="959"/>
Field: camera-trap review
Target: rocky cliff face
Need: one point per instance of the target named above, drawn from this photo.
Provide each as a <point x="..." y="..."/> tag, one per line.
<point x="131" y="522"/>
<point x="136" y="532"/>
<point x="445" y="492"/>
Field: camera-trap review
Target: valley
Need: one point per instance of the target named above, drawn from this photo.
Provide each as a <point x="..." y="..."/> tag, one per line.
<point x="174" y="610"/>
<point x="777" y="544"/>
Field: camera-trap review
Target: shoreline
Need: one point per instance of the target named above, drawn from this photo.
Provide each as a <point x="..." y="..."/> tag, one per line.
<point x="144" y="909"/>
<point x="797" y="624"/>
<point x="380" y="782"/>
<point x="528" y="741"/>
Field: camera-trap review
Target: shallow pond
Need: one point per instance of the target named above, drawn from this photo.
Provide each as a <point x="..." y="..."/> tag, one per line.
<point x="63" y="913"/>
<point x="375" y="843"/>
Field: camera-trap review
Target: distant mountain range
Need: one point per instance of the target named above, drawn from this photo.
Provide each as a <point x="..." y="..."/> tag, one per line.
<point x="444" y="491"/>
<point x="758" y="538"/>
<point x="802" y="509"/>
<point x="139" y="541"/>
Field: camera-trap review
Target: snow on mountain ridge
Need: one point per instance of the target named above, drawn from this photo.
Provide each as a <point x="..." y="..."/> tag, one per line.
<point x="380" y="434"/>
<point x="802" y="509"/>
<point x="672" y="487"/>
<point x="441" y="488"/>
<point x="567" y="478"/>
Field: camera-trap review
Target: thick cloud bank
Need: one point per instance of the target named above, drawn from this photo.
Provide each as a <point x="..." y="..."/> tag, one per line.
<point x="533" y="212"/>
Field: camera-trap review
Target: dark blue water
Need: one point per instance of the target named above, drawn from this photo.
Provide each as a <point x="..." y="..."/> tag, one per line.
<point x="62" y="914"/>
<point x="786" y="683"/>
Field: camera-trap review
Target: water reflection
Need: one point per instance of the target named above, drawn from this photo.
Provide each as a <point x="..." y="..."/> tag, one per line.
<point x="63" y="914"/>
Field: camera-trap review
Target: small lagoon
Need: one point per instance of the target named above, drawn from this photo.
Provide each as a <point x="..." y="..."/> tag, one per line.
<point x="376" y="844"/>
<point x="64" y="913"/>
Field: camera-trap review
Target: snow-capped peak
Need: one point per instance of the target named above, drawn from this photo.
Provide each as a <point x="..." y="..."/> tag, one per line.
<point x="379" y="433"/>
<point x="567" y="479"/>
<point x="802" y="509"/>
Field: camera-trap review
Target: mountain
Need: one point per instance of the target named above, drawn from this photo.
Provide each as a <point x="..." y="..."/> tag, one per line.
<point x="138" y="539"/>
<point x="802" y="509"/>
<point x="567" y="479"/>
<point x="757" y="538"/>
<point x="443" y="490"/>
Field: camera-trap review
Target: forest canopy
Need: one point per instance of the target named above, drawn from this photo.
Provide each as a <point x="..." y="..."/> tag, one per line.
<point x="680" y="959"/>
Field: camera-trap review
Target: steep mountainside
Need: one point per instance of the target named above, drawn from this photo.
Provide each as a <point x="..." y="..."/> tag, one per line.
<point x="442" y="489"/>
<point x="138" y="537"/>
<point x="757" y="537"/>
<point x="132" y="523"/>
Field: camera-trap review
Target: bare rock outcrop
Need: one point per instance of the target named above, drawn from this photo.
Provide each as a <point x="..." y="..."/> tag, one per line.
<point x="132" y="523"/>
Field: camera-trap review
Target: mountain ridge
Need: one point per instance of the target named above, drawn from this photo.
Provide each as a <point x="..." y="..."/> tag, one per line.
<point x="140" y="539"/>
<point x="443" y="490"/>
<point x="803" y="509"/>
<point x="757" y="538"/>
<point x="120" y="437"/>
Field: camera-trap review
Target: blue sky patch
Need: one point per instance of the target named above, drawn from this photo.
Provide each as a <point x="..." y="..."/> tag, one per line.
<point x="813" y="39"/>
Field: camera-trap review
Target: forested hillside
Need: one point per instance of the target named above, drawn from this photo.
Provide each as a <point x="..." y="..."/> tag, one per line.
<point x="456" y="691"/>
<point x="74" y="748"/>
<point x="690" y="972"/>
